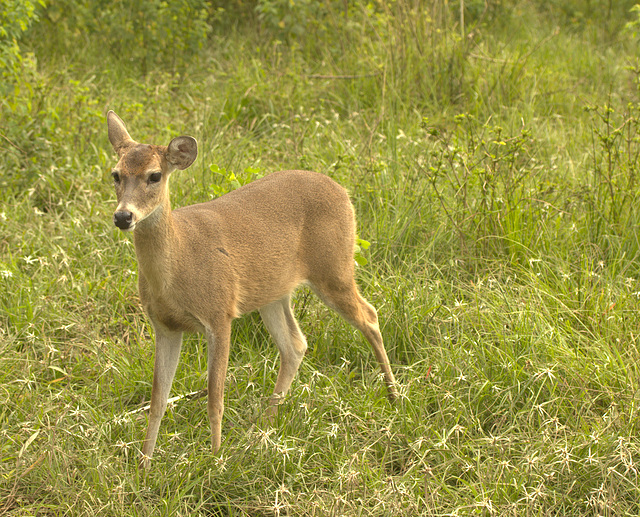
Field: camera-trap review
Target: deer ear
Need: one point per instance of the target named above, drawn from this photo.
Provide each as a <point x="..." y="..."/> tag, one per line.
<point x="118" y="135"/>
<point x="182" y="152"/>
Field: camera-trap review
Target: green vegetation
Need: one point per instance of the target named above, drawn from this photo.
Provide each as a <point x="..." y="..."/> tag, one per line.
<point x="492" y="156"/>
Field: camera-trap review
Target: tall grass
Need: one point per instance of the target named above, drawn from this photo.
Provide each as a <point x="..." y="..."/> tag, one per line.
<point x="493" y="169"/>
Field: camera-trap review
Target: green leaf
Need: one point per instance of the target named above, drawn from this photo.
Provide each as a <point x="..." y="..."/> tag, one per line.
<point x="362" y="243"/>
<point x="360" y="260"/>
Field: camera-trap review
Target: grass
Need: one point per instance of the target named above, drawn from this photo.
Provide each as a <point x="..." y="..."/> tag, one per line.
<point x="494" y="175"/>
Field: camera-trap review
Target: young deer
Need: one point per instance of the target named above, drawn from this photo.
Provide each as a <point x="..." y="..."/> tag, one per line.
<point x="203" y="265"/>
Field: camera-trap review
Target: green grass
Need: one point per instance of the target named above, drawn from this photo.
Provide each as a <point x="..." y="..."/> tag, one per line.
<point x="500" y="197"/>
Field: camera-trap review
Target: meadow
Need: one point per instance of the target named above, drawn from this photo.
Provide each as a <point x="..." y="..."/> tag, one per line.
<point x="492" y="156"/>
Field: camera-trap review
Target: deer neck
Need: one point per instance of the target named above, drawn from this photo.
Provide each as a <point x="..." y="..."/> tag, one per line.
<point x="155" y="241"/>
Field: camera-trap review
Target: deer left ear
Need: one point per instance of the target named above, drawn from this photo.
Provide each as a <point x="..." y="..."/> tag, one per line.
<point x="118" y="135"/>
<point x="182" y="152"/>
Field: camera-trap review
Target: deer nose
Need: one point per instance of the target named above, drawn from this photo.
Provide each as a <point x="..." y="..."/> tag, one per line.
<point x="122" y="219"/>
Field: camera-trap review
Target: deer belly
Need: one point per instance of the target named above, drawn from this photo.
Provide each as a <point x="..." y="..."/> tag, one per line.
<point x="172" y="317"/>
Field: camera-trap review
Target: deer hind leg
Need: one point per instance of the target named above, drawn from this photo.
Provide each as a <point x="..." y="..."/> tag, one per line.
<point x="292" y="345"/>
<point x="345" y="299"/>
<point x="167" y="355"/>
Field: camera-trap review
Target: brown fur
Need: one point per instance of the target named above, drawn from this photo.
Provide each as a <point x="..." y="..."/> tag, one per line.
<point x="203" y="265"/>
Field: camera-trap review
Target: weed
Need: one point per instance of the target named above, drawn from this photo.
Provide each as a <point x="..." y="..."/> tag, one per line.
<point x="491" y="155"/>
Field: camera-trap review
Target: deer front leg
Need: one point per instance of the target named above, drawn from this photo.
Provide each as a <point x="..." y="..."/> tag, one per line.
<point x="167" y="355"/>
<point x="217" y="360"/>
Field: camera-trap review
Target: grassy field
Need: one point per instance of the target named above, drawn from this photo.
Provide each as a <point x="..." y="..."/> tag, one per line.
<point x="493" y="163"/>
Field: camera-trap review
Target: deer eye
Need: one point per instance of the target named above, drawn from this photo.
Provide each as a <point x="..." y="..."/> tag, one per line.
<point x="116" y="177"/>
<point x="155" y="177"/>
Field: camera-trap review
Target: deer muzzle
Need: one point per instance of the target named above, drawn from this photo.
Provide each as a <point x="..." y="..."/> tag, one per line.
<point x="123" y="219"/>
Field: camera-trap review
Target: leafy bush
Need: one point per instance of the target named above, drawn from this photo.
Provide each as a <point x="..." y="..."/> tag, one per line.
<point x="15" y="18"/>
<point x="482" y="179"/>
<point x="288" y="17"/>
<point x="150" y="33"/>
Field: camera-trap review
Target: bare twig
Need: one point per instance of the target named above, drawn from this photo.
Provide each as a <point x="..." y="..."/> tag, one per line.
<point x="342" y="77"/>
<point x="188" y="396"/>
<point x="13" y="144"/>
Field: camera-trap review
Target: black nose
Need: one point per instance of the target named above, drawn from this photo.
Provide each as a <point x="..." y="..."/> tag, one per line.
<point x="122" y="219"/>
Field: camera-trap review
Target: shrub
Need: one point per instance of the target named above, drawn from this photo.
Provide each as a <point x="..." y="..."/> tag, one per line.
<point x="149" y="32"/>
<point x="15" y="18"/>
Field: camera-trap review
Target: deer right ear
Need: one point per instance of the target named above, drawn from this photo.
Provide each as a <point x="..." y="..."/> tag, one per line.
<point x="118" y="135"/>
<point x="182" y="152"/>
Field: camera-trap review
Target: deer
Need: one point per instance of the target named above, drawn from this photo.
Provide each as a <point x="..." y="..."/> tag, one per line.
<point x="204" y="265"/>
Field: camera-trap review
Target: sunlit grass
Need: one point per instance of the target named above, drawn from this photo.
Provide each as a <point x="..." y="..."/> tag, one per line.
<point x="505" y="278"/>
